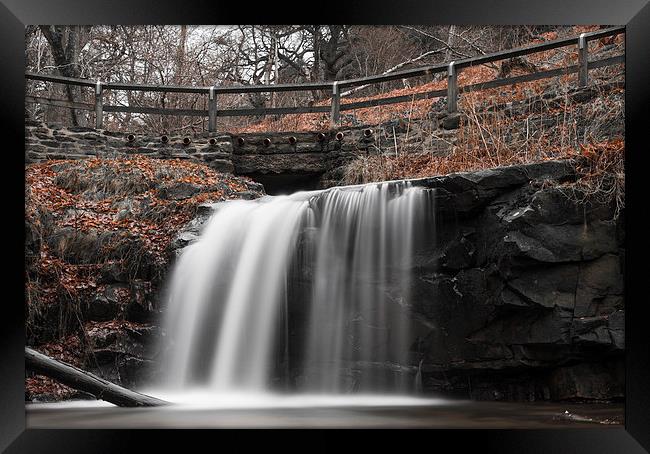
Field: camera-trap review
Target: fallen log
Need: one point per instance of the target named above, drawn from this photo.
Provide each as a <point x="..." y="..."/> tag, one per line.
<point x="85" y="381"/>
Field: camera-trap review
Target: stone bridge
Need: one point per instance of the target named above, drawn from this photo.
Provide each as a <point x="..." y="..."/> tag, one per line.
<point x="282" y="162"/>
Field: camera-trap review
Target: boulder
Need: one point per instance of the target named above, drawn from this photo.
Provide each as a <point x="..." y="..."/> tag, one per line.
<point x="108" y="303"/>
<point x="616" y="326"/>
<point x="178" y="191"/>
<point x="222" y="165"/>
<point x="451" y="121"/>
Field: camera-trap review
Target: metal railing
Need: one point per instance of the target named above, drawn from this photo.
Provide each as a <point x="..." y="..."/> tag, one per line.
<point x="451" y="92"/>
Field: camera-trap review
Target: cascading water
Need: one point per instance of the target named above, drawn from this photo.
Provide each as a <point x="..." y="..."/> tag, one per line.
<point x="307" y="292"/>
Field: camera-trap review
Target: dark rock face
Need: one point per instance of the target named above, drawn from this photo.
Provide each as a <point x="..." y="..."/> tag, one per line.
<point x="601" y="381"/>
<point x="524" y="287"/>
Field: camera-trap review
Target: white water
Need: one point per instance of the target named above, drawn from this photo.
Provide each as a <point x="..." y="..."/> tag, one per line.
<point x="336" y="260"/>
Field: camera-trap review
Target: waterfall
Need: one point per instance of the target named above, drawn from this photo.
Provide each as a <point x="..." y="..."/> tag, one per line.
<point x="308" y="292"/>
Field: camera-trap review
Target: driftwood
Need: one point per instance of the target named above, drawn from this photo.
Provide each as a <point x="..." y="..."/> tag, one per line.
<point x="85" y="381"/>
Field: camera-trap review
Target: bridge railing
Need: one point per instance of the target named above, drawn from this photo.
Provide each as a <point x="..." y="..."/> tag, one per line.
<point x="335" y="108"/>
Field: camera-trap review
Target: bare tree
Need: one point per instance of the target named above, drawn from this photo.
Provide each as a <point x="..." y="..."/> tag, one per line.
<point x="241" y="55"/>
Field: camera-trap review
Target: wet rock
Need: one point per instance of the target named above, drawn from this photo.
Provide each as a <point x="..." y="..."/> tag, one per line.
<point x="547" y="286"/>
<point x="616" y="326"/>
<point x="254" y="186"/>
<point x="135" y="371"/>
<point x="510" y="298"/>
<point x="591" y="330"/>
<point x="102" y="308"/>
<point x="112" y="272"/>
<point x="587" y="381"/>
<point x="141" y="306"/>
<point x="102" y="338"/>
<point x="247" y="195"/>
<point x="459" y="254"/>
<point x="107" y="304"/>
<point x="600" y="287"/>
<point x="529" y="326"/>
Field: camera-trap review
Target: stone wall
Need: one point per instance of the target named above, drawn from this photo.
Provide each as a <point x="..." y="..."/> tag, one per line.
<point x="44" y="142"/>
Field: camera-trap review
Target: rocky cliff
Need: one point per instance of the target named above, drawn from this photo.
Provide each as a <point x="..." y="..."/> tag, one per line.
<point x="520" y="294"/>
<point x="517" y="291"/>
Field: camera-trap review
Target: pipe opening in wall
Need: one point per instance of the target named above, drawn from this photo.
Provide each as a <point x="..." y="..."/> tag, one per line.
<point x="367" y="132"/>
<point x="240" y="141"/>
<point x="130" y="138"/>
<point x="267" y="142"/>
<point x="187" y="141"/>
<point x="321" y="136"/>
<point x="164" y="139"/>
<point x="339" y="136"/>
<point x="212" y="141"/>
<point x="292" y="140"/>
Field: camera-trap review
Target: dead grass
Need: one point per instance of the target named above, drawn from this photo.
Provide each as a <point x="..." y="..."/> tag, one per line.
<point x="549" y="128"/>
<point x="418" y="109"/>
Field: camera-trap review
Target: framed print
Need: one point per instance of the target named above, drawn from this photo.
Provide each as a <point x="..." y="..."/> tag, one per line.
<point x="421" y="220"/>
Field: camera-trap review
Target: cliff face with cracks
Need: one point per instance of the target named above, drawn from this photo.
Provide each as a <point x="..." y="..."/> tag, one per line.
<point x="521" y="296"/>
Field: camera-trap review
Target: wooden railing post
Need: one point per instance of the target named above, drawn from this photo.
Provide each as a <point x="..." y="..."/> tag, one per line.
<point x="583" y="60"/>
<point x="99" y="106"/>
<point x="336" y="103"/>
<point x="212" y="111"/>
<point x="452" y="88"/>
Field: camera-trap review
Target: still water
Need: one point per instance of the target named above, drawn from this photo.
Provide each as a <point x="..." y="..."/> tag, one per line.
<point x="360" y="411"/>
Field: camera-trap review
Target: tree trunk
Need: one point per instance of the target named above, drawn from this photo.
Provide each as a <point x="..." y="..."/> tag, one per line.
<point x="65" y="44"/>
<point x="450" y="43"/>
<point x="334" y="53"/>
<point x="87" y="382"/>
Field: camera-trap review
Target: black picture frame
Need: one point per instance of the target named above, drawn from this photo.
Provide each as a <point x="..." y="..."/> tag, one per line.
<point x="634" y="14"/>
